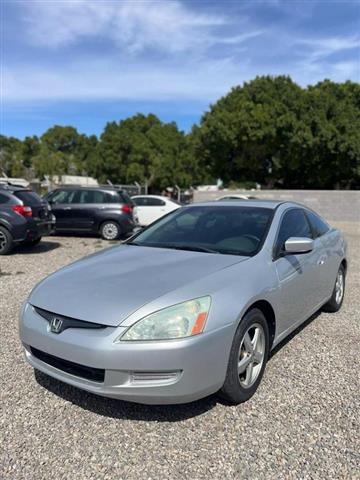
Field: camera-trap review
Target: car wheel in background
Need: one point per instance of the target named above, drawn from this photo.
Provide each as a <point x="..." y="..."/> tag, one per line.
<point x="6" y="241"/>
<point x="248" y="356"/>
<point x="110" y="230"/>
<point x="337" y="297"/>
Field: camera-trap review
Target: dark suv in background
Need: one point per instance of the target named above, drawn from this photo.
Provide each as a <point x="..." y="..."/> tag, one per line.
<point x="99" y="210"/>
<point x="24" y="217"/>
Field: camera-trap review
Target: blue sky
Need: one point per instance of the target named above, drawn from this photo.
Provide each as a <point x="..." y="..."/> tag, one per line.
<point x="84" y="62"/>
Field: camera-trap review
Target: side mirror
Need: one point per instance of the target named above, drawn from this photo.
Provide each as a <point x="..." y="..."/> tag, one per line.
<point x="299" y="245"/>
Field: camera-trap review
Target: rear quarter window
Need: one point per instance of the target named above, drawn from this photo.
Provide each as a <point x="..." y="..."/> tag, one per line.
<point x="155" y="202"/>
<point x="28" y="197"/>
<point x="4" y="199"/>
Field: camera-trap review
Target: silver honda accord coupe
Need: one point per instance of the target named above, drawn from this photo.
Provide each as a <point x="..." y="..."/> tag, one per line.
<point x="190" y="306"/>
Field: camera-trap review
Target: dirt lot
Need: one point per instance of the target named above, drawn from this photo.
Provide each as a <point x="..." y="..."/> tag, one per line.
<point x="302" y="423"/>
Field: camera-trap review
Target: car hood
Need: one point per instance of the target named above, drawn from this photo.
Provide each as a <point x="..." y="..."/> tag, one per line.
<point x="108" y="286"/>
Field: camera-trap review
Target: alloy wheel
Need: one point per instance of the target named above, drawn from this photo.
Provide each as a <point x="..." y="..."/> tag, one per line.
<point x="110" y="231"/>
<point x="251" y="355"/>
<point x="3" y="241"/>
<point x="339" y="287"/>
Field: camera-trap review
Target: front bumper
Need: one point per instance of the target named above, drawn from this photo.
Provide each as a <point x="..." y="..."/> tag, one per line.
<point x="176" y="371"/>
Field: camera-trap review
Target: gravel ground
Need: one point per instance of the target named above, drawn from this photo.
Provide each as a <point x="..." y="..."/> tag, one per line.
<point x="302" y="423"/>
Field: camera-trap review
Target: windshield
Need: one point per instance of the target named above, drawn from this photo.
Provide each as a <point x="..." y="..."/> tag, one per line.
<point x="227" y="229"/>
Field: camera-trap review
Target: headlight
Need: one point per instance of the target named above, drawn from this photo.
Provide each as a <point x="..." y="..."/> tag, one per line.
<point x="179" y="321"/>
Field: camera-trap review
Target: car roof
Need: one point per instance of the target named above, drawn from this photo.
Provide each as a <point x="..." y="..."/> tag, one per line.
<point x="151" y="196"/>
<point x="234" y="195"/>
<point x="272" y="204"/>
<point x="11" y="188"/>
<point x="90" y="187"/>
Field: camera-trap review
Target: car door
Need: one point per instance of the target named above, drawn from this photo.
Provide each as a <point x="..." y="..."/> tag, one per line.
<point x="61" y="206"/>
<point x="297" y="273"/>
<point x="170" y="206"/>
<point x="155" y="208"/>
<point x="84" y="208"/>
<point x="149" y="209"/>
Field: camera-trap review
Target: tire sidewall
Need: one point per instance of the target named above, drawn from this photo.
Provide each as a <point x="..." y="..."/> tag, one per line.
<point x="9" y="241"/>
<point x="332" y="305"/>
<point x="232" y="389"/>
<point x="342" y="269"/>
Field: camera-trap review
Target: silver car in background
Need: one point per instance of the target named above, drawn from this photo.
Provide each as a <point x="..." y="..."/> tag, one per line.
<point x="190" y="306"/>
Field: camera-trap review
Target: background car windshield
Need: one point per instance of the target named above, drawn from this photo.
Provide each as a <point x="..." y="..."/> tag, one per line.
<point x="228" y="230"/>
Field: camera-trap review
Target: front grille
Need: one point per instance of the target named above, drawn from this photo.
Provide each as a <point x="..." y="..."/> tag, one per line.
<point x="66" y="322"/>
<point x="89" y="373"/>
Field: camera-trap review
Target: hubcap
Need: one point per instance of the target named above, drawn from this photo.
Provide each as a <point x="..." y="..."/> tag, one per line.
<point x="339" y="287"/>
<point x="2" y="240"/>
<point x="251" y="355"/>
<point x="110" y="231"/>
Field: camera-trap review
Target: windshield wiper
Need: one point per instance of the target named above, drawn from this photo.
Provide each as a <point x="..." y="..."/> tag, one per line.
<point x="193" y="248"/>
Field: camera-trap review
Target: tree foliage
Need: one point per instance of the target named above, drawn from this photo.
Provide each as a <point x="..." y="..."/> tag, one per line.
<point x="145" y="150"/>
<point x="273" y="132"/>
<point x="269" y="130"/>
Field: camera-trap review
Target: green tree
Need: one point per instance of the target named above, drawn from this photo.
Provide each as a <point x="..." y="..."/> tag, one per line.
<point x="244" y="133"/>
<point x="269" y="130"/>
<point x="69" y="145"/>
<point x="143" y="149"/>
<point x="274" y="132"/>
<point x="49" y="163"/>
<point x="29" y="148"/>
<point x="11" y="157"/>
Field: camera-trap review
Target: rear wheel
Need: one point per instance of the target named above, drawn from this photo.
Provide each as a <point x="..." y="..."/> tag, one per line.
<point x="110" y="230"/>
<point x="337" y="297"/>
<point x="6" y="241"/>
<point x="248" y="356"/>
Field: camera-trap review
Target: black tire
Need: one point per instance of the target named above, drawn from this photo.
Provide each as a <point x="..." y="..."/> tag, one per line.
<point x="6" y="241"/>
<point x="334" y="304"/>
<point x="33" y="242"/>
<point x="233" y="390"/>
<point x="110" y="230"/>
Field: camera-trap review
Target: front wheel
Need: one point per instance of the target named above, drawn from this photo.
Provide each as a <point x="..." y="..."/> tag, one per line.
<point x="248" y="356"/>
<point x="337" y="297"/>
<point x="110" y="230"/>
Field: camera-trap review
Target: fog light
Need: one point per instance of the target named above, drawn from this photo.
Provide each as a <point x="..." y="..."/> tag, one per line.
<point x="155" y="378"/>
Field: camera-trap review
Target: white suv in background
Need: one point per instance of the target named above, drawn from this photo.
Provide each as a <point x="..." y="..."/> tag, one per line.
<point x="151" y="207"/>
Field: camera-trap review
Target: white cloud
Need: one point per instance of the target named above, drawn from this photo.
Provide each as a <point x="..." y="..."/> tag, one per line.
<point x="192" y="42"/>
<point x="135" y="25"/>
<point x="323" y="47"/>
<point x="238" y="39"/>
<point x="204" y="81"/>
